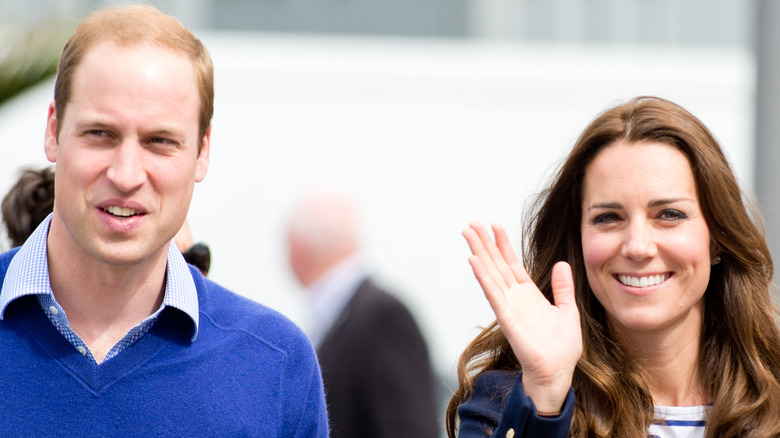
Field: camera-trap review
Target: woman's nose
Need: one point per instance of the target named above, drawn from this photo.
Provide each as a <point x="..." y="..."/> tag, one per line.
<point x="639" y="243"/>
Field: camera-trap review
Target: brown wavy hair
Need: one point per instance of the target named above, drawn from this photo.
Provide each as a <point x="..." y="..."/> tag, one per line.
<point x="739" y="362"/>
<point x="28" y="203"/>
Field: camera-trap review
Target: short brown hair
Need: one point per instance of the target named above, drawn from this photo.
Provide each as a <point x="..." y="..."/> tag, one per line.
<point x="129" y="26"/>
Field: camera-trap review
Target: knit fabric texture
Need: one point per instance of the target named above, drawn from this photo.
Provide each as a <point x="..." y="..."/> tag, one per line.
<point x="250" y="372"/>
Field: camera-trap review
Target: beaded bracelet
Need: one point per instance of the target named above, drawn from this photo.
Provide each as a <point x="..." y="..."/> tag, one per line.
<point x="548" y="414"/>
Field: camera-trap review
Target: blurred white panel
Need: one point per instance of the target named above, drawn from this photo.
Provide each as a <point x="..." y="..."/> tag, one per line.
<point x="22" y="125"/>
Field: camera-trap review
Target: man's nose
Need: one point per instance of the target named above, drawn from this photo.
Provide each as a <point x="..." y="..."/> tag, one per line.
<point x="126" y="171"/>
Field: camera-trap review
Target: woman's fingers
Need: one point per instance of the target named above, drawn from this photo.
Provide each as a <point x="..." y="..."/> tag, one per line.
<point x="493" y="292"/>
<point x="494" y="258"/>
<point x="485" y="250"/>
<point x="545" y="338"/>
<point x="562" y="283"/>
<point x="508" y="253"/>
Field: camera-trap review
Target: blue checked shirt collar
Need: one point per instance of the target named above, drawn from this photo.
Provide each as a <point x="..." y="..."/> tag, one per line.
<point x="28" y="274"/>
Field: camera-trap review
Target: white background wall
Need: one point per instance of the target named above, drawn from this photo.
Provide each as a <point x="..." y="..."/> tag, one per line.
<point x="427" y="134"/>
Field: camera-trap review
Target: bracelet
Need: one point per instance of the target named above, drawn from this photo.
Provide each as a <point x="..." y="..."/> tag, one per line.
<point x="548" y="414"/>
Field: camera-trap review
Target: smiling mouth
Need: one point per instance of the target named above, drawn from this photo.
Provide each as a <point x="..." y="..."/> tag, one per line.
<point x="650" y="280"/>
<point x="120" y="211"/>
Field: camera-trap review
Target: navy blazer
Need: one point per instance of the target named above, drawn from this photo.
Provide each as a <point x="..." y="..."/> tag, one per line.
<point x="498" y="407"/>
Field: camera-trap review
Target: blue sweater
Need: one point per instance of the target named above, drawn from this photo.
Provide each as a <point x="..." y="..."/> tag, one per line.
<point x="250" y="372"/>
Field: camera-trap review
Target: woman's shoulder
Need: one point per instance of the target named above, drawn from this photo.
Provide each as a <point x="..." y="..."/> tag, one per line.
<point x="498" y="406"/>
<point x="497" y="377"/>
<point x="495" y="384"/>
<point x="487" y="399"/>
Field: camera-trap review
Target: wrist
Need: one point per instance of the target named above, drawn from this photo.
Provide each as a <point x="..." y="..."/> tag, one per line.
<point x="548" y="398"/>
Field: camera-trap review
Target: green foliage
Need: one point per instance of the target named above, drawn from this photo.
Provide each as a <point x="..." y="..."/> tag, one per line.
<point x="29" y="55"/>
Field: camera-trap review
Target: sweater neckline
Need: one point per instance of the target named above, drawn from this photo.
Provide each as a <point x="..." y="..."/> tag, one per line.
<point x="97" y="377"/>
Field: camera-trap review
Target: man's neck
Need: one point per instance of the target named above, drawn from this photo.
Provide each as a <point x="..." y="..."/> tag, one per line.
<point x="102" y="301"/>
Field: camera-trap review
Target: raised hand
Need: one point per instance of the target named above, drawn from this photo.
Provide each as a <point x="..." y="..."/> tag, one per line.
<point x="546" y="338"/>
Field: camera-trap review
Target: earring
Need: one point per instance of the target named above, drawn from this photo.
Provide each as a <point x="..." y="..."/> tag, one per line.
<point x="716" y="260"/>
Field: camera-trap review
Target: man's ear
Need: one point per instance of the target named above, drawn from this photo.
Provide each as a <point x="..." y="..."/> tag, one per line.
<point x="50" y="138"/>
<point x="202" y="165"/>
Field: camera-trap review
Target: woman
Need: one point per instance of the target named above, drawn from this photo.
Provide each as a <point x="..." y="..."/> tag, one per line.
<point x="644" y="304"/>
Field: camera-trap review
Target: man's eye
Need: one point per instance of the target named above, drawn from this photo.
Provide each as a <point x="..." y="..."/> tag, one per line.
<point x="162" y="143"/>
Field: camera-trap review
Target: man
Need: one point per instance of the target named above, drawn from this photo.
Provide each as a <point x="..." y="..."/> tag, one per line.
<point x="375" y="365"/>
<point x="105" y="330"/>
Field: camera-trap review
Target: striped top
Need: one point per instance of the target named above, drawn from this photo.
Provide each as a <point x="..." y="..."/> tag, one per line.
<point x="679" y="422"/>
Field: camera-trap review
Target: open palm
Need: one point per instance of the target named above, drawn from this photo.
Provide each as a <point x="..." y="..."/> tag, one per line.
<point x="546" y="338"/>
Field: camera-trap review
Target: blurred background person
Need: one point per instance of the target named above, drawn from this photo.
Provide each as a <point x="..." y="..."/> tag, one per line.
<point x="183" y="238"/>
<point x="199" y="255"/>
<point x="196" y="254"/>
<point x="375" y="365"/>
<point x="28" y="203"/>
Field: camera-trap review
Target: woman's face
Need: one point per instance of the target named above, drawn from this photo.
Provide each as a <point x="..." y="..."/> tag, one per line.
<point x="645" y="243"/>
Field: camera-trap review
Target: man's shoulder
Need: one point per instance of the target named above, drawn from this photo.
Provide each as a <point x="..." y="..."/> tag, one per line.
<point x="6" y="257"/>
<point x="223" y="312"/>
<point x="5" y="260"/>
<point x="227" y="306"/>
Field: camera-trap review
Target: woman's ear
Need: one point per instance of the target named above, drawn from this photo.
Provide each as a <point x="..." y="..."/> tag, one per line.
<point x="715" y="252"/>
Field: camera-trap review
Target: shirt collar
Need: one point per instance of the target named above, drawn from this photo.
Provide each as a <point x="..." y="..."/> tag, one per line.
<point x="331" y="293"/>
<point x="180" y="290"/>
<point x="28" y="274"/>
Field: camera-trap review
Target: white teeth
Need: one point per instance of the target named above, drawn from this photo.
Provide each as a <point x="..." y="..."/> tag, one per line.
<point x="121" y="211"/>
<point x="650" y="280"/>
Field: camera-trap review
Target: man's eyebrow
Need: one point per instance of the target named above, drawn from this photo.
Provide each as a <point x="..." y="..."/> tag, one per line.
<point x="92" y="123"/>
<point x="98" y="123"/>
<point x="164" y="131"/>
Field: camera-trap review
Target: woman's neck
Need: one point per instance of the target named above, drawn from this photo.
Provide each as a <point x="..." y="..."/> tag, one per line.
<point x="669" y="361"/>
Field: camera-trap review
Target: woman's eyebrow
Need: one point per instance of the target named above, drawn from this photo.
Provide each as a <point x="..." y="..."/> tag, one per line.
<point x="606" y="205"/>
<point x="660" y="202"/>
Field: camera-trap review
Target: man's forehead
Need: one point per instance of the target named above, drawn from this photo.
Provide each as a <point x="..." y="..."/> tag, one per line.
<point x="138" y="60"/>
<point x="109" y="44"/>
<point x="114" y="81"/>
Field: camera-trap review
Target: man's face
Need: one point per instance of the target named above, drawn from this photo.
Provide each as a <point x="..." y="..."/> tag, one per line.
<point x="127" y="154"/>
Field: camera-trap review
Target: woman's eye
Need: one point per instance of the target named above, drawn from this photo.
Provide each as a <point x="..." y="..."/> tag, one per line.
<point x="605" y="218"/>
<point x="672" y="215"/>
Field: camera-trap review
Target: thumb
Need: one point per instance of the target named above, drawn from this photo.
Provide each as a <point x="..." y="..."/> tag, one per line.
<point x="562" y="283"/>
